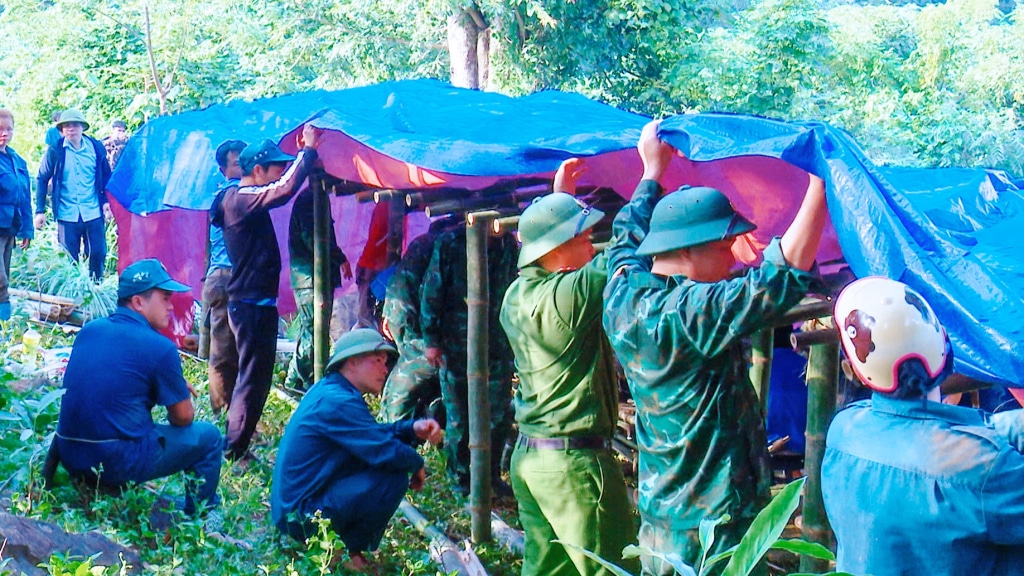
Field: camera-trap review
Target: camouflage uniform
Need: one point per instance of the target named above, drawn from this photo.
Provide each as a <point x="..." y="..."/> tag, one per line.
<point x="413" y="382"/>
<point x="699" y="424"/>
<point x="444" y="323"/>
<point x="300" y="253"/>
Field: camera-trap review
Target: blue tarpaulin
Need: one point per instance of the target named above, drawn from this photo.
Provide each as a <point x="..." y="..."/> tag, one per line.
<point x="946" y="232"/>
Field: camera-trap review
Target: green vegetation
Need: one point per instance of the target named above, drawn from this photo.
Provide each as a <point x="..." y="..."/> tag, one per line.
<point x="938" y="85"/>
<point x="28" y="420"/>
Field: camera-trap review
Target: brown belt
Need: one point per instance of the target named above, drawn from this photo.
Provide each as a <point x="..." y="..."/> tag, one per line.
<point x="565" y="443"/>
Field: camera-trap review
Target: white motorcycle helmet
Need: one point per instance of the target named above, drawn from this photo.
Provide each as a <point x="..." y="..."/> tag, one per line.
<point x="883" y="323"/>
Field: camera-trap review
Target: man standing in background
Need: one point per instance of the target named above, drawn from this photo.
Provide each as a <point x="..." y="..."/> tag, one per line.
<point x="217" y="336"/>
<point x="244" y="215"/>
<point x="76" y="166"/>
<point x="15" y="207"/>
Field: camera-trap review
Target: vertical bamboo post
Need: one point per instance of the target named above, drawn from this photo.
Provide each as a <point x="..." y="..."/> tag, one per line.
<point x="321" y="275"/>
<point x="822" y="378"/>
<point x="478" y="227"/>
<point x="761" y="346"/>
<point x="396" y="228"/>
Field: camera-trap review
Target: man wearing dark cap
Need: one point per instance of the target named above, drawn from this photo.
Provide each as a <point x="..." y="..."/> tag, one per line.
<point x="244" y="217"/>
<point x="76" y="166"/>
<point x="120" y="368"/>
<point x="676" y="320"/>
<point x="336" y="459"/>
<point x="115" y="141"/>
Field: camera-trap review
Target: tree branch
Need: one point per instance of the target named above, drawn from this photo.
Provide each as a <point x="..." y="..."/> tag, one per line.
<point x="160" y="93"/>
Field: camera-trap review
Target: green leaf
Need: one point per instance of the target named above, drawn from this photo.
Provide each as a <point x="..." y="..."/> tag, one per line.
<point x="765" y="530"/>
<point x="717" y="558"/>
<point x="812" y="549"/>
<point x="617" y="570"/>
<point x="674" y="560"/>
<point x="706" y="531"/>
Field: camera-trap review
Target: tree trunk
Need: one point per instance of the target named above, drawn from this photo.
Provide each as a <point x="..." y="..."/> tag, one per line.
<point x="462" y="49"/>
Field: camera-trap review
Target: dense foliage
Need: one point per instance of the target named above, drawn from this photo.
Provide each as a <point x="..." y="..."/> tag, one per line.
<point x="27" y="422"/>
<point x="933" y="85"/>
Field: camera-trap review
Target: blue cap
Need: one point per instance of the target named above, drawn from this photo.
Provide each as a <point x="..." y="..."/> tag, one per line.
<point x="146" y="274"/>
<point x="261" y="154"/>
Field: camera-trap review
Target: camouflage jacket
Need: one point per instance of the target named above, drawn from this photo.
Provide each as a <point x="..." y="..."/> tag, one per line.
<point x="402" y="302"/>
<point x="443" y="310"/>
<point x="699" y="424"/>
<point x="300" y="245"/>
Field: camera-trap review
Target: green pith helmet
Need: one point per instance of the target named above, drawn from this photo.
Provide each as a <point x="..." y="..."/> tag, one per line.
<point x="551" y="221"/>
<point x="691" y="217"/>
<point x="71" y="115"/>
<point x="354" y="342"/>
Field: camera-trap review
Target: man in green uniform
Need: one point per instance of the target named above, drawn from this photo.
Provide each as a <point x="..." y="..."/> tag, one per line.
<point x="677" y="320"/>
<point x="444" y="318"/>
<point x="300" y="254"/>
<point x="413" y="383"/>
<point x="565" y="476"/>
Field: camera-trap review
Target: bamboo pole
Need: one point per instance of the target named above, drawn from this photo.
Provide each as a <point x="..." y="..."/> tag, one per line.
<point x="807" y="310"/>
<point x="761" y="344"/>
<point x="443" y="551"/>
<point x="822" y="377"/>
<point x="802" y="340"/>
<point x="321" y="276"/>
<point x="478" y="227"/>
<point x="396" y="227"/>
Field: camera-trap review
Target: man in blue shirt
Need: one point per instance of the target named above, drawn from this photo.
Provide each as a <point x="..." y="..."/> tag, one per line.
<point x="216" y="335"/>
<point x="911" y="485"/>
<point x="15" y="207"/>
<point x="120" y="368"/>
<point x="336" y="459"/>
<point x="77" y="167"/>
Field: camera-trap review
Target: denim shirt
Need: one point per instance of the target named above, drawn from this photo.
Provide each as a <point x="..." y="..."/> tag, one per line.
<point x="15" y="203"/>
<point x="918" y="487"/>
<point x="78" y="201"/>
<point x="218" y="251"/>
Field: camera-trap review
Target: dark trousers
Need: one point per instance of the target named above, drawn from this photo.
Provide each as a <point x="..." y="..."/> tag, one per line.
<point x="255" y="329"/>
<point x="358" y="506"/>
<point x="90" y="236"/>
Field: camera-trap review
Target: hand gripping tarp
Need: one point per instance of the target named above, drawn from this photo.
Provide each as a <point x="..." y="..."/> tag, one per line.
<point x="951" y="234"/>
<point x="404" y="135"/>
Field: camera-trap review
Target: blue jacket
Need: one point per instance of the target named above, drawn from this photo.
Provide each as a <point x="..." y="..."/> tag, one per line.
<point x="51" y="169"/>
<point x="917" y="487"/>
<point x="330" y="438"/>
<point x="15" y="198"/>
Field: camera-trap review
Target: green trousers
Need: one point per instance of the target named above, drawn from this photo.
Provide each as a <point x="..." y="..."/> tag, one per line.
<point x="687" y="544"/>
<point x="576" y="496"/>
<point x="455" y="393"/>
<point x="300" y="368"/>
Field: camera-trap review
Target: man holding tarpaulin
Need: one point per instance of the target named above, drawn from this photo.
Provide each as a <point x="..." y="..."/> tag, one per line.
<point x="244" y="216"/>
<point x="564" y="473"/>
<point x="677" y="321"/>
